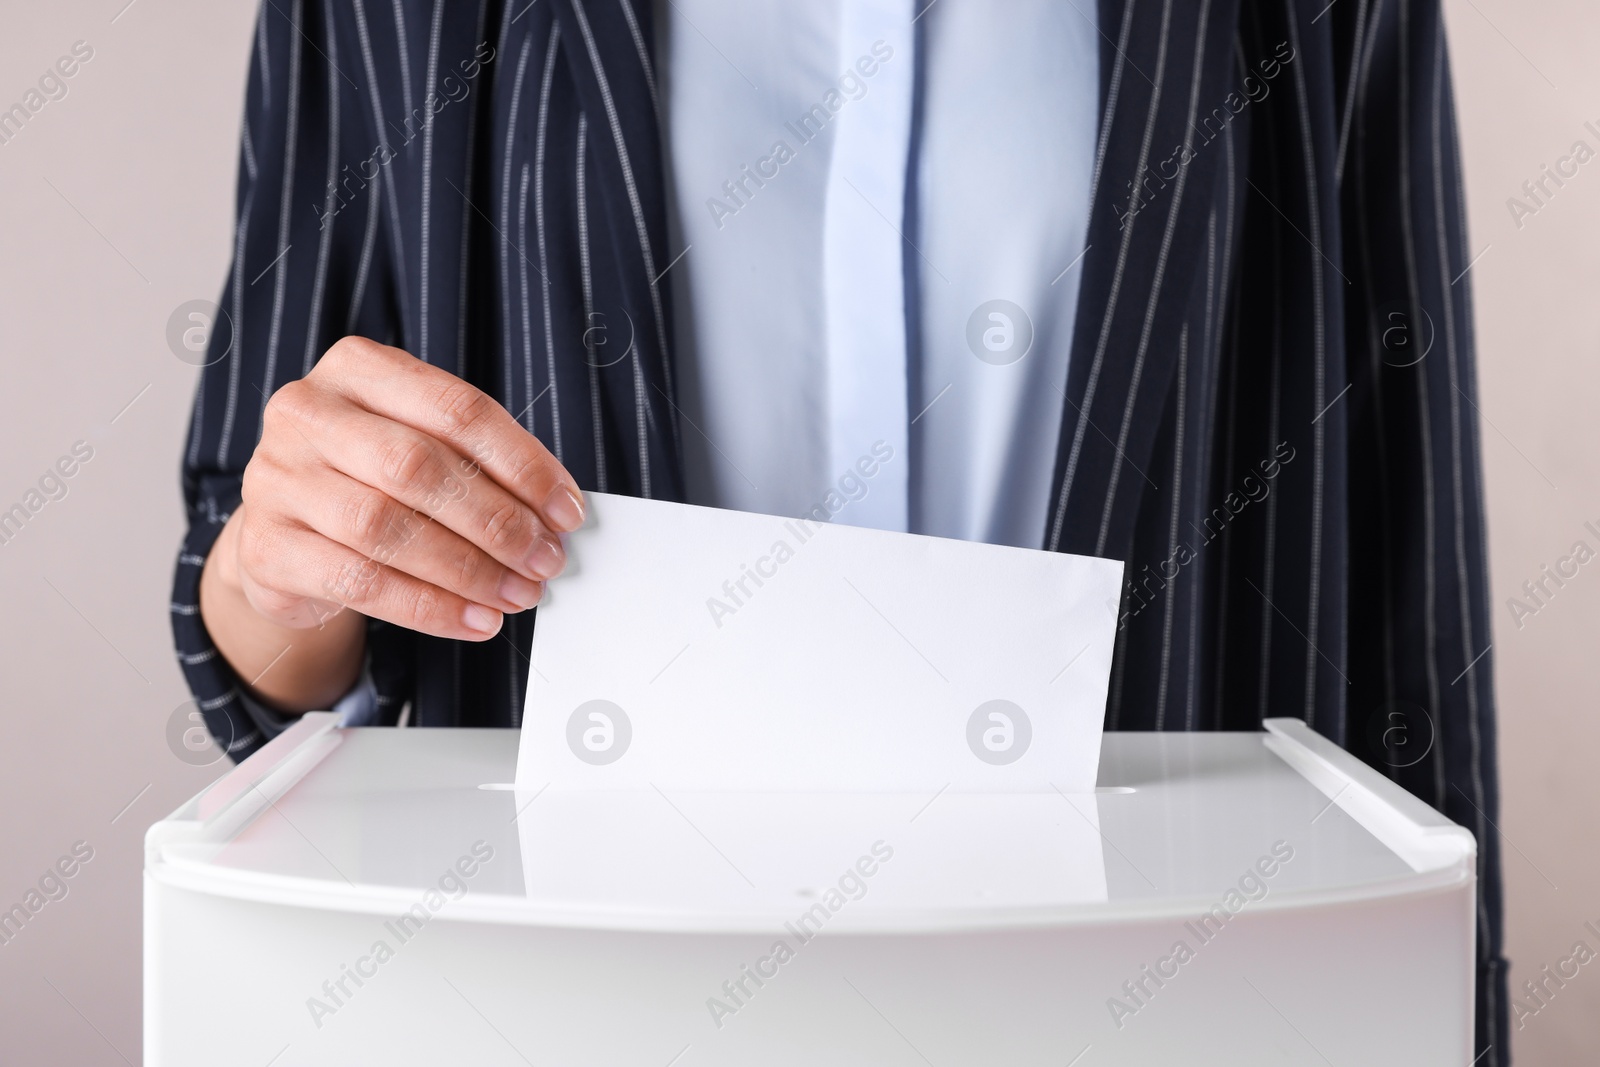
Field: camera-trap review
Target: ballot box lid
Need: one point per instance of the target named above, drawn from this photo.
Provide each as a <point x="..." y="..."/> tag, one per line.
<point x="383" y="820"/>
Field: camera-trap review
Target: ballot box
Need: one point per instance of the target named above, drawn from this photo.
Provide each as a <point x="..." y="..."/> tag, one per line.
<point x="385" y="896"/>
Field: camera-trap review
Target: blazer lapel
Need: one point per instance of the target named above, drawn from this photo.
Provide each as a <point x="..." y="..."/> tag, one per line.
<point x="1164" y="63"/>
<point x="606" y="47"/>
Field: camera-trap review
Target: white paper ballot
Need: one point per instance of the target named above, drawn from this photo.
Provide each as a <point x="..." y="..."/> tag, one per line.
<point x="696" y="648"/>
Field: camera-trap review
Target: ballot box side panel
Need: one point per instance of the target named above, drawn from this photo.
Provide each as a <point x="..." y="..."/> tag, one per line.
<point x="1376" y="982"/>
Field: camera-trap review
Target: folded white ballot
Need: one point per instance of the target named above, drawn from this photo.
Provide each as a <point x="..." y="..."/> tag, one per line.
<point x="696" y="648"/>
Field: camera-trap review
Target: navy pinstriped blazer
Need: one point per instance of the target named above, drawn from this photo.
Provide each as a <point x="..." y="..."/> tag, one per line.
<point x="1271" y="409"/>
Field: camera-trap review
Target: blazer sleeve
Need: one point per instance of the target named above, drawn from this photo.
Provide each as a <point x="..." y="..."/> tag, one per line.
<point x="1418" y="563"/>
<point x="309" y="265"/>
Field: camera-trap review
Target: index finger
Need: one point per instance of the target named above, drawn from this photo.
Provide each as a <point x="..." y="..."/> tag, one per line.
<point x="392" y="383"/>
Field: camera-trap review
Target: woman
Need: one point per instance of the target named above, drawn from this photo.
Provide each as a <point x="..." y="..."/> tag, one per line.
<point x="1176" y="283"/>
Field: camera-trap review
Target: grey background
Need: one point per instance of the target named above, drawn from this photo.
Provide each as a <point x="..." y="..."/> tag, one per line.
<point x="115" y="207"/>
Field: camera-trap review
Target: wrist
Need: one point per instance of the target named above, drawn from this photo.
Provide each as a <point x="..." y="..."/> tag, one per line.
<point x="222" y="562"/>
<point x="289" y="669"/>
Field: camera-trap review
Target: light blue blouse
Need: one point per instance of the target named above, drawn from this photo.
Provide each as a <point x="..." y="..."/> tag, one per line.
<point x="820" y="207"/>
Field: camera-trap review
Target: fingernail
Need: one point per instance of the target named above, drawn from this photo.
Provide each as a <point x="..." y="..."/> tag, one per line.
<point x="547" y="559"/>
<point x="564" y="509"/>
<point x="481" y="619"/>
<point x="520" y="591"/>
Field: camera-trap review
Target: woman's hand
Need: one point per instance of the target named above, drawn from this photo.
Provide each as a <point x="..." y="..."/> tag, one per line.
<point x="392" y="488"/>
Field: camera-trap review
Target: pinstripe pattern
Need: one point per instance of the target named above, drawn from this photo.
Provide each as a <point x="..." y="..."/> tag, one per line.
<point x="467" y="209"/>
<point x="1182" y="409"/>
<point x="1124" y="247"/>
<point x="235" y="367"/>
<point x="381" y="130"/>
<point x="1228" y="428"/>
<point x="644" y="52"/>
<point x="369" y="243"/>
<point x="1240" y="311"/>
<point x="590" y="349"/>
<point x="1158" y="274"/>
<point x="247" y="150"/>
<point x="425" y="274"/>
<point x="325" y="242"/>
<point x="527" y="404"/>
<point x="1374" y="371"/>
<point x="646" y="250"/>
<point x="402" y="50"/>
<point x="1319" y="382"/>
<point x="506" y="200"/>
<point x="540" y="140"/>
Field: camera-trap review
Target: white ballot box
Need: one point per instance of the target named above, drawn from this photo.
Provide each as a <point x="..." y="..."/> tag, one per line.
<point x="386" y="896"/>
